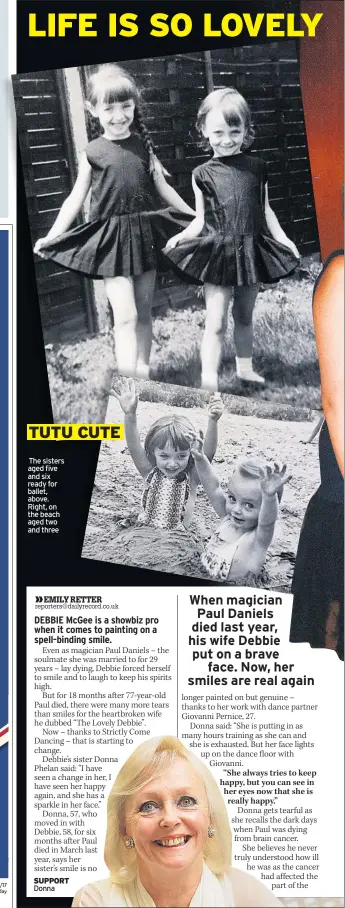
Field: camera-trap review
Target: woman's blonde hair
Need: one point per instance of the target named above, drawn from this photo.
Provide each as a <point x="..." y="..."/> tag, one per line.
<point x="150" y="760"/>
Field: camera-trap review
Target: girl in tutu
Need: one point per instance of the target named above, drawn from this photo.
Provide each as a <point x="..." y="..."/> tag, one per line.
<point x="248" y="511"/>
<point x="126" y="228"/>
<point x="171" y="480"/>
<point x="235" y="240"/>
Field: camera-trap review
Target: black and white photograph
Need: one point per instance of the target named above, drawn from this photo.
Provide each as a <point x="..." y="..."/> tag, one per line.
<point x="173" y="225"/>
<point x="204" y="485"/>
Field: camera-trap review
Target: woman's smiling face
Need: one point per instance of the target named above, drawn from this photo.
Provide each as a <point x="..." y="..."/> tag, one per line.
<point x="169" y="818"/>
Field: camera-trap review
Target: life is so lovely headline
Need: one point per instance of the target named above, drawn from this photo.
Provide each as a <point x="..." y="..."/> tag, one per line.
<point x="160" y="25"/>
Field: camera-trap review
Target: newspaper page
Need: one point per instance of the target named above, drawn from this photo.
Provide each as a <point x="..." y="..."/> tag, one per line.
<point x="178" y="672"/>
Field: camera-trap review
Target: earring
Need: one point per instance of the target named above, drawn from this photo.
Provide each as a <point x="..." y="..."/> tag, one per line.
<point x="211" y="832"/>
<point x="129" y="842"/>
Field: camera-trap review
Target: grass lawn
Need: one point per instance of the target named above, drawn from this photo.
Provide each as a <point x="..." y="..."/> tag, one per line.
<point x="80" y="374"/>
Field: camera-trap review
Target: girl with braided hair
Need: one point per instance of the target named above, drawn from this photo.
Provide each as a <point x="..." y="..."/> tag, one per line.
<point x="235" y="242"/>
<point x="126" y="228"/>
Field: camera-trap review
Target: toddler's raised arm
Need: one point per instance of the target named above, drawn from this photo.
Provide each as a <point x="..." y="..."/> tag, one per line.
<point x="215" y="411"/>
<point x="272" y="481"/>
<point x="208" y="478"/>
<point x="128" y="400"/>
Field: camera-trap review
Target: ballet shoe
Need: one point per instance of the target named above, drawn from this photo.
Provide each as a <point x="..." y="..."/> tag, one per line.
<point x="251" y="377"/>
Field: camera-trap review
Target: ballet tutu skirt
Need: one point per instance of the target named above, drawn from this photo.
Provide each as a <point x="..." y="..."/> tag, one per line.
<point x="235" y="247"/>
<point x="126" y="229"/>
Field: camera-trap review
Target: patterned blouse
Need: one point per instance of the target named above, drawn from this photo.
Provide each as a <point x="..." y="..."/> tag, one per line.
<point x="164" y="500"/>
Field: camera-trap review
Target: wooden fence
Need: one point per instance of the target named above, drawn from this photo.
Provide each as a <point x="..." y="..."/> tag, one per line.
<point x="48" y="164"/>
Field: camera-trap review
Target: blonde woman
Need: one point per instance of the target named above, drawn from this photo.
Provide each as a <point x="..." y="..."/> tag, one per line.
<point x="168" y="839"/>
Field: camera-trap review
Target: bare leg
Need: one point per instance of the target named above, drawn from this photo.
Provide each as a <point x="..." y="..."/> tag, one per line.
<point x="315" y="431"/>
<point x="242" y="311"/>
<point x="120" y="293"/>
<point x="143" y="289"/>
<point x="217" y="303"/>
